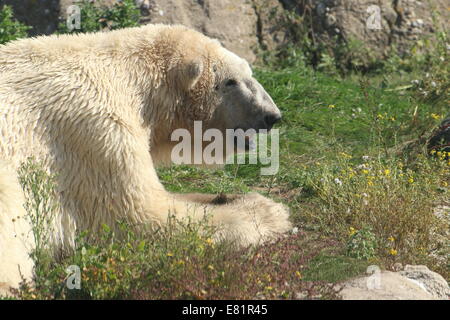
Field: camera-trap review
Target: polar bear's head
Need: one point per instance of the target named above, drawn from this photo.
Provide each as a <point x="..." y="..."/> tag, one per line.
<point x="242" y="101"/>
<point x="210" y="84"/>
<point x="224" y="92"/>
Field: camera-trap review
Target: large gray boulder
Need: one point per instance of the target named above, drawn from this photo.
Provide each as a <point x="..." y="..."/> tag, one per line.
<point x="431" y="281"/>
<point x="232" y="22"/>
<point x="413" y="283"/>
<point x="246" y="26"/>
<point x="377" y="24"/>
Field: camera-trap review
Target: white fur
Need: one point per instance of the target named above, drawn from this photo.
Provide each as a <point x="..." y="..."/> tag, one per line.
<point x="16" y="239"/>
<point x="97" y="110"/>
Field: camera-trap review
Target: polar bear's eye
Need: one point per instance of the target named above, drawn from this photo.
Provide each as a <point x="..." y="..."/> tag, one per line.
<point x="231" y="82"/>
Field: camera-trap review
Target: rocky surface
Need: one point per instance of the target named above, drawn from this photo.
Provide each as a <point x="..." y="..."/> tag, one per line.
<point x="413" y="283"/>
<point x="378" y="24"/>
<point x="440" y="138"/>
<point x="431" y="281"/>
<point x="233" y="22"/>
<point x="245" y="26"/>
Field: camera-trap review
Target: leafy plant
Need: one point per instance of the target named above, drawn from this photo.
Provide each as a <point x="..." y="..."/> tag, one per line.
<point x="10" y="28"/>
<point x="97" y="16"/>
<point x="362" y="243"/>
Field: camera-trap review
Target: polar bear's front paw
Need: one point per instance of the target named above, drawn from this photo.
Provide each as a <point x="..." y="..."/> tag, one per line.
<point x="252" y="218"/>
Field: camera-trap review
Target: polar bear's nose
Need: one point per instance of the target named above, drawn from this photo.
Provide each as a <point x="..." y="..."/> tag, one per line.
<point x="271" y="119"/>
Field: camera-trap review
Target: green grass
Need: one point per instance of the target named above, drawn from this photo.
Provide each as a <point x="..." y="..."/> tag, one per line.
<point x="335" y="268"/>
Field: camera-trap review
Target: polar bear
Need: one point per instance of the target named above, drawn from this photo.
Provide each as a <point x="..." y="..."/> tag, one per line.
<point x="98" y="110"/>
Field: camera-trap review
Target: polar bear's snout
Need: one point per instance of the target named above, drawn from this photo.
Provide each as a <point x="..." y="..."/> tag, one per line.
<point x="267" y="113"/>
<point x="270" y="119"/>
<point x="246" y="105"/>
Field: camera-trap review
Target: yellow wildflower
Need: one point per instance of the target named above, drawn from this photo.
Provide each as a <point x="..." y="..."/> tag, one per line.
<point x="393" y="252"/>
<point x="436" y="116"/>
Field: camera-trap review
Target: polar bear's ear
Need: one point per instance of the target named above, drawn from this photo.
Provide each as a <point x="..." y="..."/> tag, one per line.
<point x="193" y="72"/>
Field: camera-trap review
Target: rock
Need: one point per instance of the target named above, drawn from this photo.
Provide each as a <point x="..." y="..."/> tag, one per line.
<point x="440" y="138"/>
<point x="232" y="22"/>
<point x="413" y="283"/>
<point x="243" y="26"/>
<point x="433" y="282"/>
<point x="246" y="26"/>
<point x="377" y="25"/>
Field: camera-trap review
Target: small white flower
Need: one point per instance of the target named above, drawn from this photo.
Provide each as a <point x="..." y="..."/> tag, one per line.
<point x="365" y="158"/>
<point x="433" y="84"/>
<point x="362" y="166"/>
<point x="337" y="181"/>
<point x="295" y="230"/>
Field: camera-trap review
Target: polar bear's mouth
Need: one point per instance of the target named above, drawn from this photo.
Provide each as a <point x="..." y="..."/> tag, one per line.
<point x="249" y="139"/>
<point x="250" y="143"/>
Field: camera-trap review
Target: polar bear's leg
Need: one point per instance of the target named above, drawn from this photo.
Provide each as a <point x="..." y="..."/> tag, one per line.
<point x="248" y="219"/>
<point x="15" y="233"/>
